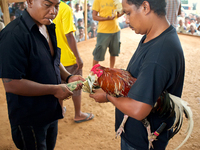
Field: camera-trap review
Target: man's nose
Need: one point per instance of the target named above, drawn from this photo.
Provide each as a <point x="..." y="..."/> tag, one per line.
<point x="53" y="11"/>
<point x="127" y="19"/>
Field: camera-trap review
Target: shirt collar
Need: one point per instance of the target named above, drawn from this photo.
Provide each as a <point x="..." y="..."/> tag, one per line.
<point x="28" y="19"/>
<point x="30" y="22"/>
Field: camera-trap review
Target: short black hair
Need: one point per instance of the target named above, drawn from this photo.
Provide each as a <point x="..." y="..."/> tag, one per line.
<point x="76" y="4"/>
<point x="80" y="20"/>
<point x="80" y="27"/>
<point x="12" y="14"/>
<point x="158" y="6"/>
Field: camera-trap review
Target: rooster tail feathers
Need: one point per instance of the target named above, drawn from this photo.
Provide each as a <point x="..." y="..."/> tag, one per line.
<point x="164" y="106"/>
<point x="169" y="105"/>
<point x="181" y="107"/>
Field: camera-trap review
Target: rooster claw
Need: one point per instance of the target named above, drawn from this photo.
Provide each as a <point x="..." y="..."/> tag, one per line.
<point x="119" y="131"/>
<point x="150" y="145"/>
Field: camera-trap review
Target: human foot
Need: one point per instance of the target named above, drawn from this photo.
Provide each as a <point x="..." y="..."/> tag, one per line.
<point x="88" y="117"/>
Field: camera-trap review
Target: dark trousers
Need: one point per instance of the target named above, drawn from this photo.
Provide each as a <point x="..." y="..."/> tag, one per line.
<point x="35" y="137"/>
<point x="125" y="146"/>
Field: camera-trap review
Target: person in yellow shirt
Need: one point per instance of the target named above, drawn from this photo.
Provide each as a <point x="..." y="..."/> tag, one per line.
<point x="108" y="33"/>
<point x="70" y="57"/>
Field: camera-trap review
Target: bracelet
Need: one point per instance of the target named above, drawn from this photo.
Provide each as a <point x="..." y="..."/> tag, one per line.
<point x="68" y="78"/>
<point x="107" y="97"/>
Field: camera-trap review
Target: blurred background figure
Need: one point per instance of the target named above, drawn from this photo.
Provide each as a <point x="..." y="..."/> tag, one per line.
<point x="69" y="3"/>
<point x="22" y="6"/>
<point x="79" y="24"/>
<point x="10" y="8"/>
<point x="198" y="23"/>
<point x="192" y="20"/>
<point x="89" y="14"/>
<point x="81" y="34"/>
<point x="74" y="18"/>
<point x="187" y="22"/>
<point x="93" y="30"/>
<point x="77" y="13"/>
<point x="193" y="30"/>
<point x="173" y="9"/>
<point x="12" y="16"/>
<point x="181" y="27"/>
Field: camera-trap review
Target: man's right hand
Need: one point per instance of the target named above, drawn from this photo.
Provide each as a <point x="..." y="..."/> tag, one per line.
<point x="62" y="92"/>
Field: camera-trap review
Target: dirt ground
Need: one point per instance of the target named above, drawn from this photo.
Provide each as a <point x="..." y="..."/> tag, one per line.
<point x="99" y="133"/>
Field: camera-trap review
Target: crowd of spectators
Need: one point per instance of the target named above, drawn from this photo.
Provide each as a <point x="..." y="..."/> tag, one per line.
<point x="78" y="15"/>
<point x="16" y="9"/>
<point x="92" y="25"/>
<point x="189" y="24"/>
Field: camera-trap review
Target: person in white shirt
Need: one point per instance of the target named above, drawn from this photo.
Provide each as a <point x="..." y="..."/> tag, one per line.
<point x="77" y="13"/>
<point x="181" y="27"/>
<point x="193" y="30"/>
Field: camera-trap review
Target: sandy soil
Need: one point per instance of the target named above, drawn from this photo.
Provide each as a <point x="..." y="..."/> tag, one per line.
<point x="99" y="133"/>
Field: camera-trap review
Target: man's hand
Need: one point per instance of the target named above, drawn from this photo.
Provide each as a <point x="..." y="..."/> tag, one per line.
<point x="99" y="96"/>
<point x="110" y="17"/>
<point x="62" y="92"/>
<point x="77" y="78"/>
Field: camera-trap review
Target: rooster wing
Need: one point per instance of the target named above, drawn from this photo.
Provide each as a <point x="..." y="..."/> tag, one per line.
<point x="116" y="82"/>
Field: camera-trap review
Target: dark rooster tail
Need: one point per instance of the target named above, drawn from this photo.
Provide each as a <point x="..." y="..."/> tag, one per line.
<point x="164" y="105"/>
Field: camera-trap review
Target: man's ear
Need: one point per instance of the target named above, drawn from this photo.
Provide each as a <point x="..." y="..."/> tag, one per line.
<point x="29" y="3"/>
<point x="146" y="7"/>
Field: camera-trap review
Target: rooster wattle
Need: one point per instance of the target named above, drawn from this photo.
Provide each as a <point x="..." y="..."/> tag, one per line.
<point x="117" y="82"/>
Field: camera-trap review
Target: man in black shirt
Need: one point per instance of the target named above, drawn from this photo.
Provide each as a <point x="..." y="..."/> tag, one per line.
<point x="31" y="72"/>
<point x="158" y="64"/>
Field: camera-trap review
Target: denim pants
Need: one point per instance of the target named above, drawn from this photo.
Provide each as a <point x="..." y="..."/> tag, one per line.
<point x="125" y="146"/>
<point x="35" y="137"/>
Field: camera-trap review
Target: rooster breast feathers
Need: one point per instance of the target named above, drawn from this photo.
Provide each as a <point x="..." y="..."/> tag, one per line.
<point x="115" y="82"/>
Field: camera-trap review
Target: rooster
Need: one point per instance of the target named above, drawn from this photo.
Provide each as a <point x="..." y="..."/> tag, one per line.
<point x="117" y="82"/>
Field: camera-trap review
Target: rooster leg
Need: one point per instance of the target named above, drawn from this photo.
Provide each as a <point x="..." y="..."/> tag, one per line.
<point x="121" y="127"/>
<point x="153" y="136"/>
<point x="148" y="128"/>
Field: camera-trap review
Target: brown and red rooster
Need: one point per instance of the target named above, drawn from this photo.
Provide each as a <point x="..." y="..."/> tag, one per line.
<point x="117" y="82"/>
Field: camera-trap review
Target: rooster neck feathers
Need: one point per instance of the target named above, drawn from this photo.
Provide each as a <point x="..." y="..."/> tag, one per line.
<point x="115" y="82"/>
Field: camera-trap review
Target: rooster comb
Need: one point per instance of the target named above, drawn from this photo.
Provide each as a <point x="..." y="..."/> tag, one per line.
<point x="96" y="70"/>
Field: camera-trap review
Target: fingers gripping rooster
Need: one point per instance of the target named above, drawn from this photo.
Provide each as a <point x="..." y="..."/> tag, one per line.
<point x="117" y="82"/>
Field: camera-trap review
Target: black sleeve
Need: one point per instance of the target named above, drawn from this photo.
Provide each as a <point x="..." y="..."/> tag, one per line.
<point x="13" y="57"/>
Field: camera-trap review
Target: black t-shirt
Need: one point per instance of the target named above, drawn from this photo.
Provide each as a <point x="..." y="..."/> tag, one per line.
<point x="25" y="54"/>
<point x="158" y="65"/>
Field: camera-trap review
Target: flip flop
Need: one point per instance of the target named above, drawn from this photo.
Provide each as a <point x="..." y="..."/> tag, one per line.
<point x="86" y="119"/>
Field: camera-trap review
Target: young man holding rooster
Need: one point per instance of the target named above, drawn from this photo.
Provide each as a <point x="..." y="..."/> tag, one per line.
<point x="158" y="64"/>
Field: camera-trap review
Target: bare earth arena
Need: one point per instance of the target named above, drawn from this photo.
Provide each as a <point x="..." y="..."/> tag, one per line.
<point x="99" y="134"/>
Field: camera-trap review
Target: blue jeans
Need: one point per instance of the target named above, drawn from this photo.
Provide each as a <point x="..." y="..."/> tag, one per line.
<point x="125" y="146"/>
<point x="35" y="137"/>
